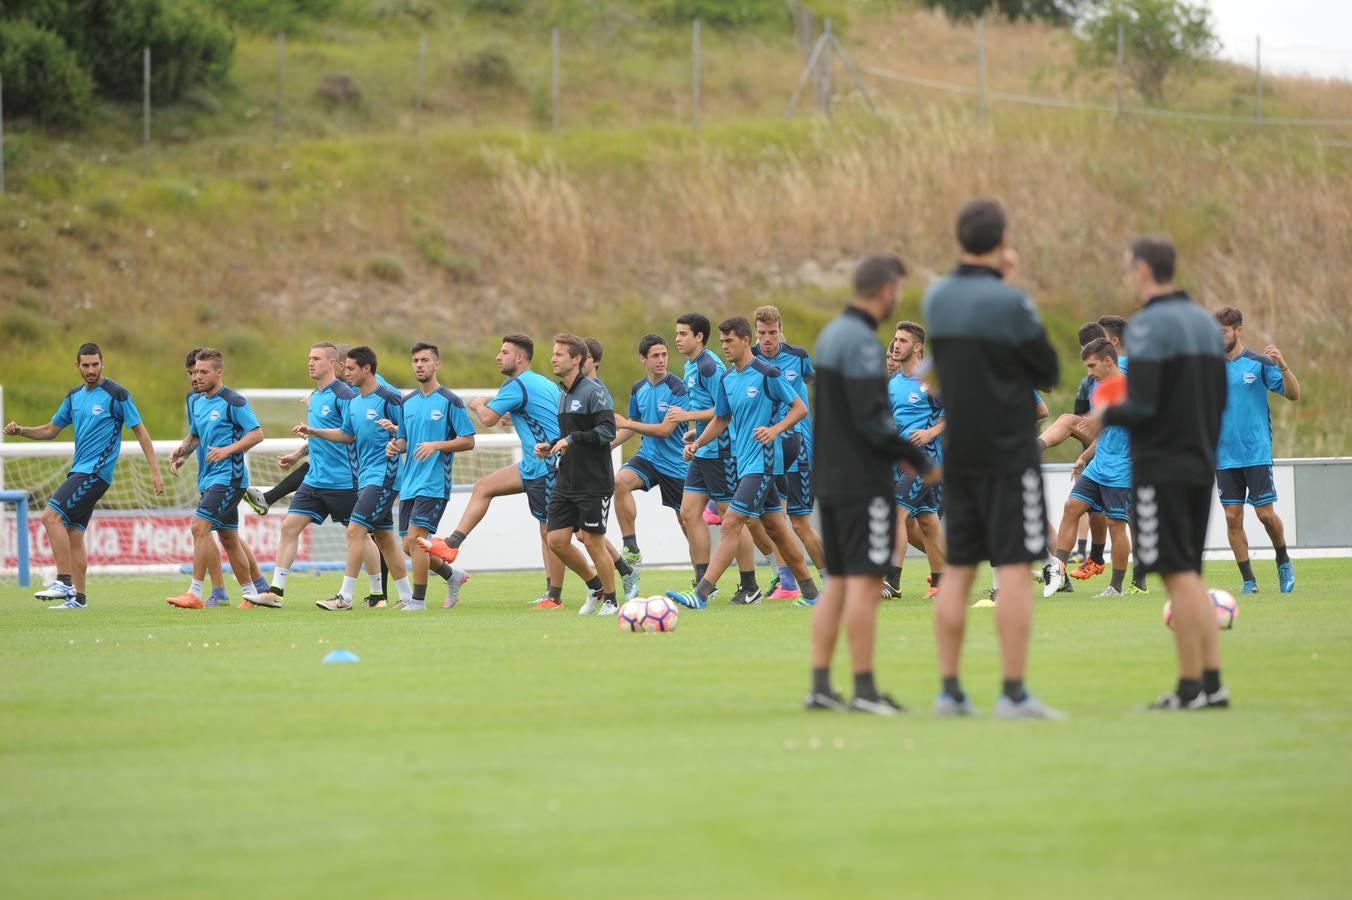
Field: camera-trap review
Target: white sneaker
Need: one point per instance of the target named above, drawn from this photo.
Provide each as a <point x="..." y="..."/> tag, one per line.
<point x="1109" y="591"/>
<point x="459" y="578"/>
<point x="414" y="606"/>
<point x="1030" y="708"/>
<point x="592" y="605"/>
<point x="254" y="497"/>
<point x="57" y="590"/>
<point x="1053" y="577"/>
<point x="608" y="608"/>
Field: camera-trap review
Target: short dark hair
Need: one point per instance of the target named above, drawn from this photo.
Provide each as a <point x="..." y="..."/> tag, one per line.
<point x="648" y="342"/>
<point x="1097" y="349"/>
<point x="1113" y="326"/>
<point x="737" y="325"/>
<point x="521" y="341"/>
<point x="423" y="345"/>
<point x="88" y="349"/>
<point x="594" y="349"/>
<point x="698" y="323"/>
<point x="875" y="272"/>
<point x="981" y="226"/>
<point x="1159" y="254"/>
<point x="1230" y="316"/>
<point x="577" y="347"/>
<point x="1089" y="331"/>
<point x="915" y="329"/>
<point x="211" y="355"/>
<point x="191" y="359"/>
<point x="364" y="357"/>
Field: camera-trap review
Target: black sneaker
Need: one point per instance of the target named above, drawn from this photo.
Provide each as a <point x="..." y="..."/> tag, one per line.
<point x="882" y="705"/>
<point x="743" y="597"/>
<point x="1171" y="701"/>
<point x="1065" y="588"/>
<point x="375" y="601"/>
<point x="832" y="701"/>
<point x="1218" y="700"/>
<point x="890" y="591"/>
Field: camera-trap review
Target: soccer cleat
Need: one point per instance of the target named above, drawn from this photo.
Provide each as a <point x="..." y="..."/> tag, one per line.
<point x="1218" y="700"/>
<point x="743" y="597"/>
<point x="1077" y="557"/>
<point x="988" y="601"/>
<point x="946" y="706"/>
<point x="688" y="599"/>
<point x="217" y="601"/>
<point x="548" y="602"/>
<point x="881" y="705"/>
<point x="711" y="517"/>
<point x="414" y="606"/>
<point x="1135" y="588"/>
<point x="816" y="700"/>
<point x="72" y="603"/>
<point x="185" y="600"/>
<point x="1171" y="701"/>
<point x="1286" y="577"/>
<point x="890" y="591"/>
<point x="632" y="558"/>
<point x="268" y="599"/>
<point x="783" y="593"/>
<point x="1066" y="588"/>
<point x="336" y="603"/>
<point x="1053" y="577"/>
<point x="439" y="548"/>
<point x="593" y="603"/>
<point x="931" y="592"/>
<point x="803" y="601"/>
<point x="401" y="604"/>
<point x="459" y="578"/>
<point x="246" y="603"/>
<point x="629" y="583"/>
<point x="57" y="590"/>
<point x="257" y="502"/>
<point x="1249" y="587"/>
<point x="608" y="608"/>
<point x="1109" y="591"/>
<point x="1030" y="708"/>
<point x="1087" y="569"/>
<point x="375" y="601"/>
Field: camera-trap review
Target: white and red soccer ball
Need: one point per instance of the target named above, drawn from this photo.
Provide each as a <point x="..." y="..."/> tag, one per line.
<point x="650" y="614"/>
<point x="1222" y="602"/>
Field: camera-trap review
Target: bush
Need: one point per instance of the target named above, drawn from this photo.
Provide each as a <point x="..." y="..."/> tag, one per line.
<point x="489" y="67"/>
<point x="43" y="77"/>
<point x="494" y="7"/>
<point x="385" y="267"/>
<point x="719" y="13"/>
<point x="272" y="16"/>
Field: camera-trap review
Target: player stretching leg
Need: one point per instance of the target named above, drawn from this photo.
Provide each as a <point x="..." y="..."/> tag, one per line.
<point x="1244" y="456"/>
<point x="99" y="410"/>
<point x="221" y="421"/>
<point x="1175" y="397"/>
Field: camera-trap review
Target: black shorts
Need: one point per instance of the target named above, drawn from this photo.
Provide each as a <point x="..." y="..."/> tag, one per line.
<point x="588" y="514"/>
<point x="795" y="485"/>
<point x="374" y="509"/>
<point x="1171" y="526"/>
<point x="75" y="499"/>
<point x="859" y="536"/>
<point x="537" y="491"/>
<point x="917" y="499"/>
<point x="715" y="477"/>
<point x="670" y="486"/>
<point x="755" y="495"/>
<point x="220" y="506"/>
<point x="1113" y="502"/>
<point x="421" y="512"/>
<point x="1253" y="484"/>
<point x="322" y="503"/>
<point x="1000" y="519"/>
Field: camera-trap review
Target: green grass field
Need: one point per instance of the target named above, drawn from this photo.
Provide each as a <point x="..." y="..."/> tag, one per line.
<point x="497" y="750"/>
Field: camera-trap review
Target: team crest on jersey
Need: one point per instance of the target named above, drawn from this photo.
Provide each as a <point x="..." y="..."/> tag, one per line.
<point x="751" y="391"/>
<point x="436" y="415"/>
<point x="95" y="410"/>
<point x="791" y="375"/>
<point x="575" y="406"/>
<point x="913" y="397"/>
<point x="690" y="382"/>
<point x="663" y="407"/>
<point x="325" y="410"/>
<point x="370" y="415"/>
<point x="1250" y="378"/>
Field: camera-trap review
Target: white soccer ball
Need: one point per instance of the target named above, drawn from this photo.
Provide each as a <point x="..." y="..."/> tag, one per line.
<point x="1222" y="602"/>
<point x="649" y="614"/>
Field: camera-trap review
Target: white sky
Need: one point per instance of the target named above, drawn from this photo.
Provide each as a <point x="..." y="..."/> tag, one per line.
<point x="1312" y="37"/>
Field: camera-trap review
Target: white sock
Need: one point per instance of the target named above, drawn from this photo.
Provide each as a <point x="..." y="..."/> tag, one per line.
<point x="995" y="579"/>
<point x="279" y="577"/>
<point x="195" y="588"/>
<point x="404" y="588"/>
<point x="375" y="582"/>
<point x="248" y="590"/>
<point x="349" y="585"/>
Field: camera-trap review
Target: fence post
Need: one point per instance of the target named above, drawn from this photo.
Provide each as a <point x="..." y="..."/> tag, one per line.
<point x="1258" y="79"/>
<point x="1121" y="62"/>
<point x="145" y="105"/>
<point x="554" y="77"/>
<point x="981" y="67"/>
<point x="418" y="99"/>
<point x="825" y="75"/>
<point x="277" y="112"/>
<point x="694" y="75"/>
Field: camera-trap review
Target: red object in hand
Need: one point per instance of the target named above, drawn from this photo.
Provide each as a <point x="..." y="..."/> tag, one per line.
<point x="1109" y="393"/>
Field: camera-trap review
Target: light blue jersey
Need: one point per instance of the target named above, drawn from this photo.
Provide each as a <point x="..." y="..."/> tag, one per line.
<point x="219" y="420"/>
<point x="333" y="466"/>
<point x="795" y="364"/>
<point x="375" y="468"/>
<point x="1246" y="424"/>
<point x="749" y="397"/>
<point x="99" y="414"/>
<point x="438" y="416"/>
<point x="648" y="403"/>
<point x="532" y="401"/>
<point x="915" y="406"/>
<point x="1111" y="465"/>
<point x="701" y="390"/>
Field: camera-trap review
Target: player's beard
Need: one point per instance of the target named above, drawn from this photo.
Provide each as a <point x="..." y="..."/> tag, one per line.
<point x="423" y="379"/>
<point x="1230" y="347"/>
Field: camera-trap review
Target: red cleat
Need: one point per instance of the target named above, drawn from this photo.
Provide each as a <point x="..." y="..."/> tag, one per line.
<point x="245" y="604"/>
<point x="711" y="517"/>
<point x="931" y="593"/>
<point x="185" y="601"/>
<point x="438" y="548"/>
<point x="548" y="603"/>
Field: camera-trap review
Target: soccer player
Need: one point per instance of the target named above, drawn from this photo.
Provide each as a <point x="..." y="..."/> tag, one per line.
<point x="1102" y="485"/>
<point x="795" y="483"/>
<point x="991" y="354"/>
<point x="1113" y="329"/>
<point x="330" y="485"/>
<point x="1244" y="456"/>
<point x="377" y="474"/>
<point x="919" y="418"/>
<point x="532" y="402"/>
<point x="857" y="445"/>
<point x="660" y="460"/>
<point x="1175" y="397"/>
<point x="99" y="410"/>
<point x="745" y="406"/>
<point x="585" y="483"/>
<point x="223" y="422"/>
<point x="591" y="368"/>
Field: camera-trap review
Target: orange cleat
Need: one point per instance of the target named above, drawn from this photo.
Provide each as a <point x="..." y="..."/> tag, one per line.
<point x="548" y="603"/>
<point x="931" y="593"/>
<point x="1087" y="569"/>
<point x="185" y="601"/>
<point x="245" y="604"/>
<point x="438" y="548"/>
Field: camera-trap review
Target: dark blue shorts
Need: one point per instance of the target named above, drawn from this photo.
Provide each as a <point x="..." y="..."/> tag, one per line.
<point x="374" y="509"/>
<point x="220" y="506"/>
<point x="756" y="494"/>
<point x="670" y="486"/>
<point x="795" y="485"/>
<point x="1253" y="485"/>
<point x="715" y="477"/>
<point x="538" y="491"/>
<point x="422" y="512"/>
<point x="75" y="499"/>
<point x="1113" y="502"/>
<point x="913" y="496"/>
<point x="322" y="503"/>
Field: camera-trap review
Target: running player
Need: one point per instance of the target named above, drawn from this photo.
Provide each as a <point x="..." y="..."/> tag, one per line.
<point x="1175" y="398"/>
<point x="745" y="407"/>
<point x="1244" y="456"/>
<point x="532" y="402"/>
<point x="99" y="410"/>
<point x="223" y="422"/>
<point x="991" y="353"/>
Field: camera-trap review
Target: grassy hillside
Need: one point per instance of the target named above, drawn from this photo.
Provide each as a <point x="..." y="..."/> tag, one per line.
<point x="357" y="227"/>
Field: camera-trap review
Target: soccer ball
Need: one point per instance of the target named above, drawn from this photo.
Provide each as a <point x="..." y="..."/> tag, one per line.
<point x="648" y="614"/>
<point x="1222" y="602"/>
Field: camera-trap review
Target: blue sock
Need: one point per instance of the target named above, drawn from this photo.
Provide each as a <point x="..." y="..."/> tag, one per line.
<point x="262" y="586"/>
<point x="218" y="593"/>
<point x="786" y="579"/>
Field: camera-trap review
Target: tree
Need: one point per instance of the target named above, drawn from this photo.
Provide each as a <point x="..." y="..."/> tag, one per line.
<point x="1062" y="12"/>
<point x="1160" y="37"/>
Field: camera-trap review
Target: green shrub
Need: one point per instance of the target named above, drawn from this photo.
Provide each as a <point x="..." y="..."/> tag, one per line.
<point x="494" y="7"/>
<point x="489" y="67"/>
<point x="43" y="76"/>
<point x="272" y="16"/>
<point x="386" y="268"/>
<point x="720" y="13"/>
